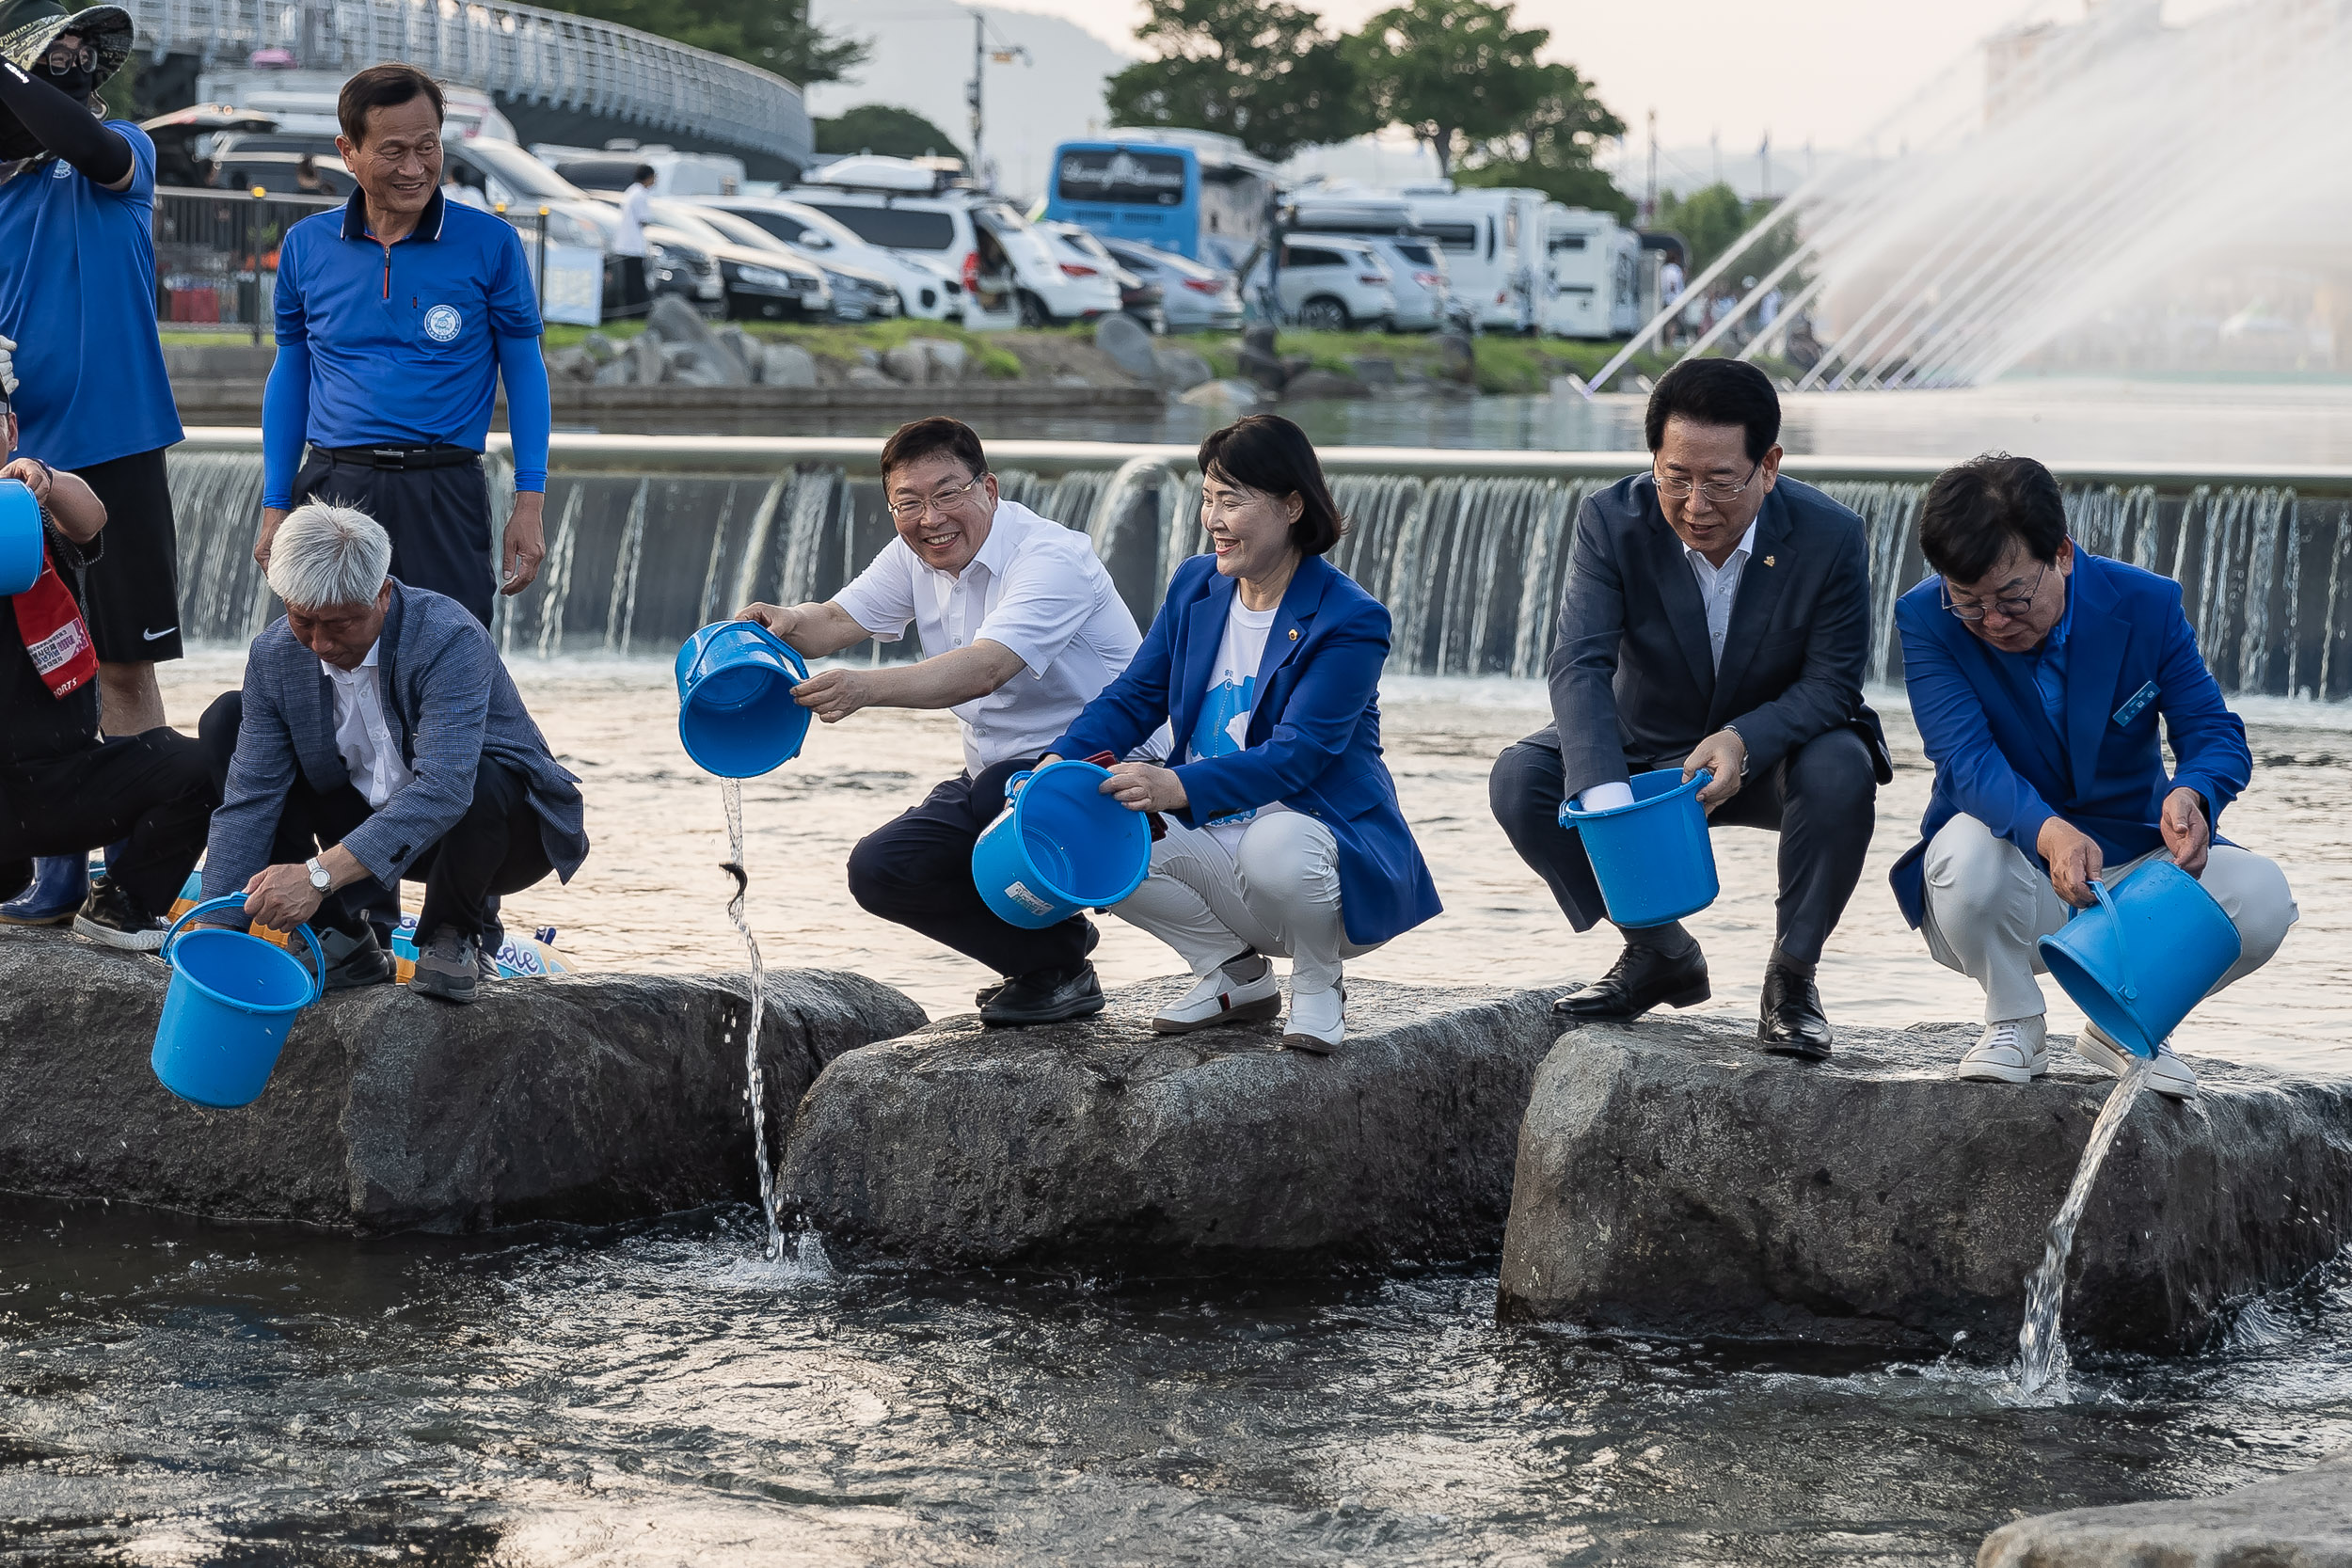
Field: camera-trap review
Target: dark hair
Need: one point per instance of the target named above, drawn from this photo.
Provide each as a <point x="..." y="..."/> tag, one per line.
<point x="1271" y="456"/>
<point x="383" y="86"/>
<point x="1716" y="391"/>
<point x="644" y="172"/>
<point x="912" y="443"/>
<point x="1975" y="512"/>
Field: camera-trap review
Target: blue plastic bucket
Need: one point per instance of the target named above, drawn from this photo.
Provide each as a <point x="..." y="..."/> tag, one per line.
<point x="736" y="715"/>
<point x="1059" y="846"/>
<point x="20" y="538"/>
<point x="2147" y="953"/>
<point x="232" y="998"/>
<point x="1653" y="858"/>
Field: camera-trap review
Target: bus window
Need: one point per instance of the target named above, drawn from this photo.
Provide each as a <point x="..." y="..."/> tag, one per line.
<point x="1122" y="177"/>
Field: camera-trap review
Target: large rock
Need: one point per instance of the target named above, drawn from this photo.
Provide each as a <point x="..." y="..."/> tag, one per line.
<point x="1179" y="370"/>
<point x="1314" y="386"/>
<point x="712" y="363"/>
<point x="1102" y="1144"/>
<point x="1672" y="1178"/>
<point x="2299" y="1521"/>
<point x="590" y="1099"/>
<point x="1128" y="344"/>
<point x="786" y="365"/>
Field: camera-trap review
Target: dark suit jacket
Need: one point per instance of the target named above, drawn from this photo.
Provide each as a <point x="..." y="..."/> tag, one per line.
<point x="2131" y="660"/>
<point x="1632" y="676"/>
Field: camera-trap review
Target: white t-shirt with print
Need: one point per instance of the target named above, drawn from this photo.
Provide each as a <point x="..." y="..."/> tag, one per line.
<point x="1223" y="727"/>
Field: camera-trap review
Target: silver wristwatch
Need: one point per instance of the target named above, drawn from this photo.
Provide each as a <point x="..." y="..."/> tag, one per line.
<point x="320" y="878"/>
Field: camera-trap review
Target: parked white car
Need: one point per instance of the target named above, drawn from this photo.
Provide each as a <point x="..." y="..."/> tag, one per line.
<point x="926" y="291"/>
<point x="1416" y="267"/>
<point x="1328" y="283"/>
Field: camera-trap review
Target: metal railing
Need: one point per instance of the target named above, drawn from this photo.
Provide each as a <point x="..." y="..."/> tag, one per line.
<point x="523" y="52"/>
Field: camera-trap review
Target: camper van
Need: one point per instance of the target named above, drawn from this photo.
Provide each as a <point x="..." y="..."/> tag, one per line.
<point x="1593" y="274"/>
<point x="1493" y="243"/>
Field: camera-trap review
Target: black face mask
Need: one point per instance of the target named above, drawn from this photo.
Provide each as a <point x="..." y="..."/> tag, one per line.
<point x="76" y="84"/>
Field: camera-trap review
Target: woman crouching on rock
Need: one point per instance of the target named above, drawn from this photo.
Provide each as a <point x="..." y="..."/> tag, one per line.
<point x="1282" y="831"/>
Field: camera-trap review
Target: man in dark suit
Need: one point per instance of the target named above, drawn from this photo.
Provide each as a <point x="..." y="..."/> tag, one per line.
<point x="1717" y="617"/>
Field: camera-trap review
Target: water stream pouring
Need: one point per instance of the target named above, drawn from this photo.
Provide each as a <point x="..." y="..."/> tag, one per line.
<point x="2147" y="953"/>
<point x="2041" y="1350"/>
<point x="231" y="1001"/>
<point x="756" y="1082"/>
<point x="1653" y="858"/>
<point x="1059" y="846"/>
<point x="20" y="538"/>
<point x="735" y="714"/>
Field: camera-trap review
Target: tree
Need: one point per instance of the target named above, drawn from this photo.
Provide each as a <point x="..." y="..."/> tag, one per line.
<point x="1454" y="73"/>
<point x="880" y="128"/>
<point x="774" y="35"/>
<point x="1712" y="219"/>
<point x="1552" y="149"/>
<point x="1265" y="74"/>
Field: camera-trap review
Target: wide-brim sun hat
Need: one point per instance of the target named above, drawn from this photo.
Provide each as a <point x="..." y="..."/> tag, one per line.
<point x="106" y="28"/>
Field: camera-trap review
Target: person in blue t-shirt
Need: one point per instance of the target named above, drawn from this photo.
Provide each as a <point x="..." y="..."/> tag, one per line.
<point x="77" y="294"/>
<point x="397" y="313"/>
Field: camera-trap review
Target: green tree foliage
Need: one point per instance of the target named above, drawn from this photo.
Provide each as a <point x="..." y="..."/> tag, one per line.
<point x="1551" y="149"/>
<point x="879" y="128"/>
<point x="1713" y="218"/>
<point x="1265" y="72"/>
<point x="774" y="35"/>
<point x="1454" y="73"/>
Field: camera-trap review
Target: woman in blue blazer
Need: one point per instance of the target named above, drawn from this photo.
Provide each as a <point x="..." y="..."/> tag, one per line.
<point x="1283" y="835"/>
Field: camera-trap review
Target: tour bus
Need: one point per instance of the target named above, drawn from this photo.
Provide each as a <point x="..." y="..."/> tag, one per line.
<point x="1493" y="241"/>
<point x="1195" y="193"/>
<point x="1593" y="274"/>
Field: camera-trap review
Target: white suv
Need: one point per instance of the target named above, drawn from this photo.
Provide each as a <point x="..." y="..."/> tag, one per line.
<point x="1330" y="284"/>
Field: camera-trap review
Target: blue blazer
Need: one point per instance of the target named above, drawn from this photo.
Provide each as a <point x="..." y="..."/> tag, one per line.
<point x="2131" y="657"/>
<point x="1313" y="741"/>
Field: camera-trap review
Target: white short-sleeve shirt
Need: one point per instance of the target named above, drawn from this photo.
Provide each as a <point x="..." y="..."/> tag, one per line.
<point x="1035" y="587"/>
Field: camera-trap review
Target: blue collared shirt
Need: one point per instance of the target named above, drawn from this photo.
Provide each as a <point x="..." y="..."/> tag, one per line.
<point x="404" y="344"/>
<point x="2049" y="666"/>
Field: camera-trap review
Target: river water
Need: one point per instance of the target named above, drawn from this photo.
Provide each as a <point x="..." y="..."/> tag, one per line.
<point x="174" y="1393"/>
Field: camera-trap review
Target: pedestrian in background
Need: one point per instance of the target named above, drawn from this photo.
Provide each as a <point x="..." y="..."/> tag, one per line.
<point x="397" y="313"/>
<point x="77" y="294"/>
<point x="628" y="242"/>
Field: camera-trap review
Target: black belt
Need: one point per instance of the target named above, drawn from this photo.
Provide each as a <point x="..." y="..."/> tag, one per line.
<point x="401" y="457"/>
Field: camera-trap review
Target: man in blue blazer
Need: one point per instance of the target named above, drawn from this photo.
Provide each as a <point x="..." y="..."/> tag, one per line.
<point x="2038" y="672"/>
<point x="379" y="739"/>
<point x="1717" y="616"/>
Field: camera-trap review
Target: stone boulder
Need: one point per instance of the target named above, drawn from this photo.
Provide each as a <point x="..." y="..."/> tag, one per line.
<point x="907" y="363"/>
<point x="590" y="1099"/>
<point x="1102" y="1145"/>
<point x="949" y="359"/>
<point x="1312" y="386"/>
<point x="1259" y="360"/>
<point x="786" y="365"/>
<point x="1179" y="370"/>
<point x="1457" y="358"/>
<point x="694" y="344"/>
<point x="1672" y="1178"/>
<point x="2299" y="1521"/>
<point x="1128" y="344"/>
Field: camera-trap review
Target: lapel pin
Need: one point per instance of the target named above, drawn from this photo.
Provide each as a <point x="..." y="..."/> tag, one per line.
<point x="1767" y="560"/>
<point x="1294" y="634"/>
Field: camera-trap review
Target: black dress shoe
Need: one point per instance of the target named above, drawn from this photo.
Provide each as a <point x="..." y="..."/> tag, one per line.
<point x="1793" y="1024"/>
<point x="1049" y="997"/>
<point x="986" y="995"/>
<point x="1641" y="979"/>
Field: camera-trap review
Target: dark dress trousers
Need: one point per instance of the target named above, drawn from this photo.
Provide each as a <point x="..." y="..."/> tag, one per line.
<point x="1634" y="687"/>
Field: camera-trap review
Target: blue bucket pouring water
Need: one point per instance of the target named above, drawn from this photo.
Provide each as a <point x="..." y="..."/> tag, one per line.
<point x="20" y="538"/>
<point x="232" y="999"/>
<point x="1652" y="859"/>
<point x="736" y="715"/>
<point x="2146" y="953"/>
<point x="1058" y="847"/>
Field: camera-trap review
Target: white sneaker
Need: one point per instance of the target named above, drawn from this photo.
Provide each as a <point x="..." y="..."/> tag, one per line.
<point x="1318" y="1020"/>
<point x="2167" y="1074"/>
<point x="1220" y="999"/>
<point x="2012" y="1051"/>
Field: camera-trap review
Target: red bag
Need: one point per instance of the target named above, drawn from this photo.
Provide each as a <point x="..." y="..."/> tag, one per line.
<point x="50" y="622"/>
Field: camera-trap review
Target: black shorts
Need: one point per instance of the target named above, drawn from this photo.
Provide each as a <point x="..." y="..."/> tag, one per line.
<point x="134" y="585"/>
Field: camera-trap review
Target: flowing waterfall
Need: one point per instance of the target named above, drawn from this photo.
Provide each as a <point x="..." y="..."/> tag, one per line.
<point x="1470" y="567"/>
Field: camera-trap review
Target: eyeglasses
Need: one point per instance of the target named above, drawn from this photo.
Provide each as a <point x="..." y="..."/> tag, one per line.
<point x="2010" y="605"/>
<point x="1716" y="490"/>
<point x="913" y="510"/>
<point x="62" y="59"/>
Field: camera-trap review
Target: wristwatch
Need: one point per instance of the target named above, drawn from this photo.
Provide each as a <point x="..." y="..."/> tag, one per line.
<point x="320" y="878"/>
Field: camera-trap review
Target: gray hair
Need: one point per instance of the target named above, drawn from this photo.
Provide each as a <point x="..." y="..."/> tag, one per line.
<point x="325" y="556"/>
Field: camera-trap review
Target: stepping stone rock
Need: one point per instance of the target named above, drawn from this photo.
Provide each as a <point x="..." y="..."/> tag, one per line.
<point x="1099" y="1144"/>
<point x="1129" y="345"/>
<point x="2299" y="1521"/>
<point x="590" y="1099"/>
<point x="1672" y="1177"/>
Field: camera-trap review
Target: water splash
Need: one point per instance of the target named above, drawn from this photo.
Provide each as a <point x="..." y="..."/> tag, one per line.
<point x="731" y="792"/>
<point x="2042" y="1361"/>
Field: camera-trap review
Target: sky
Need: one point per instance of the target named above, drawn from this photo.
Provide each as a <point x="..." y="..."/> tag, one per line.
<point x="1826" y="70"/>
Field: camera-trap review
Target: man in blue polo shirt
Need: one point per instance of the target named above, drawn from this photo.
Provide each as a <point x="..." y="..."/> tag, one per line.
<point x="396" y="315"/>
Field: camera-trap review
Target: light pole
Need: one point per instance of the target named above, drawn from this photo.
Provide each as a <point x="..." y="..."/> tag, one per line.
<point x="1005" y="54"/>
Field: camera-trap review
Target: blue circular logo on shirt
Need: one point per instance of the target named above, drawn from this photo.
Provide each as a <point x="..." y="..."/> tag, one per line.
<point x="442" y="322"/>
<point x="61" y="170"/>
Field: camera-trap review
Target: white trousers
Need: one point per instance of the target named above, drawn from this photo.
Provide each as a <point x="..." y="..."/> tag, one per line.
<point x="1278" y="893"/>
<point x="1987" y="902"/>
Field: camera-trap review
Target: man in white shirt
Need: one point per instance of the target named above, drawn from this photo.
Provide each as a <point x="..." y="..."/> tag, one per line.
<point x="1020" y="627"/>
<point x="628" y="241"/>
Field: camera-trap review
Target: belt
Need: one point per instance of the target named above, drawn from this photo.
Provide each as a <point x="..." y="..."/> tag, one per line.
<point x="401" y="457"/>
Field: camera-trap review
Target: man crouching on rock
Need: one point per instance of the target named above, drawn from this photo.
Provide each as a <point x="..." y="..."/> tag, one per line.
<point x="2038" y="672"/>
<point x="1021" y="628"/>
<point x="379" y="739"/>
<point x="64" y="791"/>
